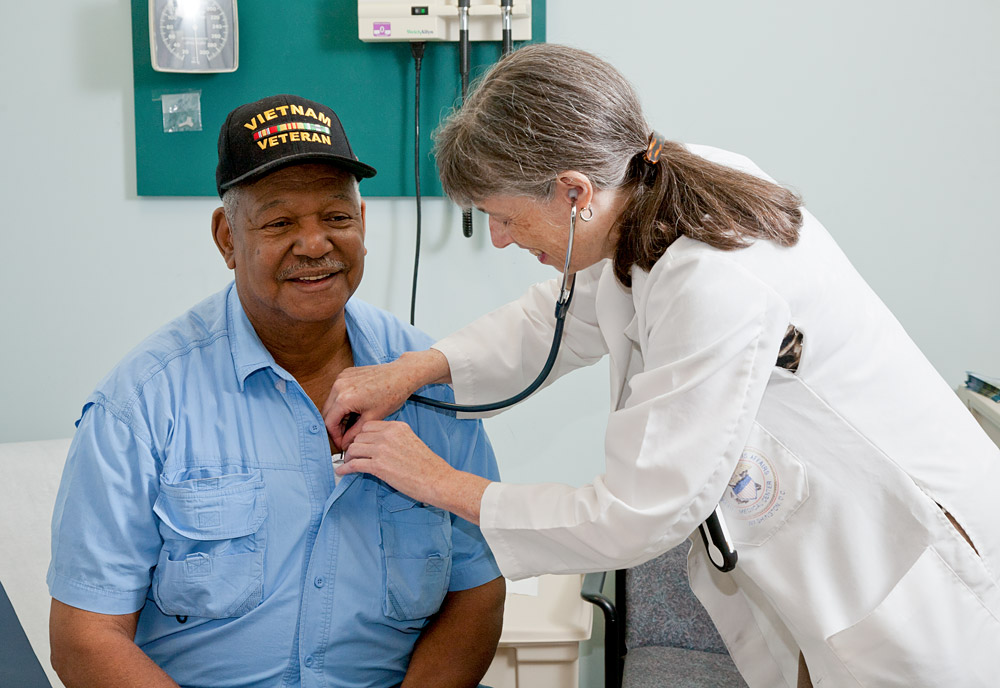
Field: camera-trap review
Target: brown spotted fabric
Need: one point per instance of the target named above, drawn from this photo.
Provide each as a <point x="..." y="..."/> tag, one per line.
<point x="791" y="350"/>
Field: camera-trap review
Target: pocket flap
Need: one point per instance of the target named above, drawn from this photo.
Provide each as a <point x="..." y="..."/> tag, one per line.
<point x="215" y="508"/>
<point x="396" y="501"/>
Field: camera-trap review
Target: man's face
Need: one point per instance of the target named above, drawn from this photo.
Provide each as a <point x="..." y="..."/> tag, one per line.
<point x="296" y="242"/>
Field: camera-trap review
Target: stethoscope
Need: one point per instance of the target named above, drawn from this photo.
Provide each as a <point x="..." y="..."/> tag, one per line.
<point x="713" y="531"/>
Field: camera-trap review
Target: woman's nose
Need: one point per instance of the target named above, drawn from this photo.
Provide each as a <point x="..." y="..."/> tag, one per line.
<point x="498" y="234"/>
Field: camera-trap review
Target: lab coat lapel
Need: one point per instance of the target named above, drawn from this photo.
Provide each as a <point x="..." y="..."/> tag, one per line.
<point x="615" y="311"/>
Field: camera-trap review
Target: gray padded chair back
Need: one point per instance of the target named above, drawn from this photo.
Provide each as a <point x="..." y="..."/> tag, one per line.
<point x="663" y="611"/>
<point x="671" y="641"/>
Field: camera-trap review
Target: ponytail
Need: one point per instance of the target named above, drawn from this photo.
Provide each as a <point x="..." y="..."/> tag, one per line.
<point x="685" y="195"/>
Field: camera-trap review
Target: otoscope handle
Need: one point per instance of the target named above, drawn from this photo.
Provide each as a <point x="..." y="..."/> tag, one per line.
<point x="506" y="9"/>
<point x="463" y="54"/>
<point x="467" y="222"/>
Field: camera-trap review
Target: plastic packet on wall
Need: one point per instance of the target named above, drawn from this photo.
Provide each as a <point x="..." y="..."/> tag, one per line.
<point x="181" y="111"/>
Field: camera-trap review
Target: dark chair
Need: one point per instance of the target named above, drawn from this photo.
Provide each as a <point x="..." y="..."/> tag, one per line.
<point x="18" y="664"/>
<point x="657" y="634"/>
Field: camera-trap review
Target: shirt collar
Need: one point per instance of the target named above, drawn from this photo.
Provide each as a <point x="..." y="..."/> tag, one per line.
<point x="367" y="348"/>
<point x="250" y="354"/>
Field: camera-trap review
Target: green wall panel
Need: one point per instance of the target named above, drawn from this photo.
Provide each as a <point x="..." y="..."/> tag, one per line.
<point x="309" y="48"/>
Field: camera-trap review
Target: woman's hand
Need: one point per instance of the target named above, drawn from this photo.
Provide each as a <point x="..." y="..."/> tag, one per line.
<point x="391" y="451"/>
<point x="370" y="392"/>
<point x="373" y="392"/>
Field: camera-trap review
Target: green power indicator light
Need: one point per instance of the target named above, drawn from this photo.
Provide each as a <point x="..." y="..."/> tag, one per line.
<point x="418" y="11"/>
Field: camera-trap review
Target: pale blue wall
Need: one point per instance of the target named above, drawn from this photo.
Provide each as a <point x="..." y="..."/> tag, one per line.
<point x="881" y="114"/>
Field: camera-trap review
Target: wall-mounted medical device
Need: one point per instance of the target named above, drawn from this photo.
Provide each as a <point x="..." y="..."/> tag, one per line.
<point x="199" y="36"/>
<point x="439" y="20"/>
<point x="419" y="22"/>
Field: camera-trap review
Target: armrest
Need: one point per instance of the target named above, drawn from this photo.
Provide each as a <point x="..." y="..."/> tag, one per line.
<point x="592" y="591"/>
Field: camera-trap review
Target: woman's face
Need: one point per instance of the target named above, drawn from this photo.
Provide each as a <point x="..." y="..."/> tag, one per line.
<point x="542" y="229"/>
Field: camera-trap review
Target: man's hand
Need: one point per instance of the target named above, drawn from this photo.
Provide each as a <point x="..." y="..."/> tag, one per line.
<point x="91" y="649"/>
<point x="373" y="392"/>
<point x="456" y="648"/>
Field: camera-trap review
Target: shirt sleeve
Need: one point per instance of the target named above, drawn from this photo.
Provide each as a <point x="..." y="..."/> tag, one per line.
<point x="502" y="352"/>
<point x="105" y="540"/>
<point x="472" y="562"/>
<point x="709" y="335"/>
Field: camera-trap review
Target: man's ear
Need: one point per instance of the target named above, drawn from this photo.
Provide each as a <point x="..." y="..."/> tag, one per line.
<point x="363" y="228"/>
<point x="222" y="233"/>
<point x="363" y="208"/>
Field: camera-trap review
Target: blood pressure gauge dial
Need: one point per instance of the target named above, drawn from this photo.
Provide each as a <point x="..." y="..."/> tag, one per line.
<point x="193" y="35"/>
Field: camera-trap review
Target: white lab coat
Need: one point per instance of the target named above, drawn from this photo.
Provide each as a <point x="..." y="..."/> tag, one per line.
<point x="833" y="479"/>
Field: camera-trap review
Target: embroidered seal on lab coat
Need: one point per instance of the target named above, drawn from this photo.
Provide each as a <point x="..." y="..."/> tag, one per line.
<point x="754" y="492"/>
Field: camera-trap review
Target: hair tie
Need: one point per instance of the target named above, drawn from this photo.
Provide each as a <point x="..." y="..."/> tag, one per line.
<point x="655" y="147"/>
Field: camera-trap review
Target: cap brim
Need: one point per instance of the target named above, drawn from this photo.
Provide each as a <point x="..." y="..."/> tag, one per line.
<point x="358" y="169"/>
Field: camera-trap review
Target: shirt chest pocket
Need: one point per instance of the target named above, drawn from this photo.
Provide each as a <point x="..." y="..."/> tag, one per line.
<point x="416" y="554"/>
<point x="212" y="561"/>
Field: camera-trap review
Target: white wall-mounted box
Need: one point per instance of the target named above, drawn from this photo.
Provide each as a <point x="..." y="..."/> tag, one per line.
<point x="437" y="20"/>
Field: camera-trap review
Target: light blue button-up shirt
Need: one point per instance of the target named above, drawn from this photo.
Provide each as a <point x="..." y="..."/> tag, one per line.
<point x="199" y="488"/>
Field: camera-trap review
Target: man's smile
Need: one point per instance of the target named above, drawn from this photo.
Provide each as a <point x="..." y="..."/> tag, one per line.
<point x="312" y="278"/>
<point x="312" y="274"/>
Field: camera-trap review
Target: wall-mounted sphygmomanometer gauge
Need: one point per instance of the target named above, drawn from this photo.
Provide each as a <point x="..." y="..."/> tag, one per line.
<point x="193" y="35"/>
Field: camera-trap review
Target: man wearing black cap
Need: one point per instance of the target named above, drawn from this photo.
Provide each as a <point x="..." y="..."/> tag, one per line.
<point x="200" y="535"/>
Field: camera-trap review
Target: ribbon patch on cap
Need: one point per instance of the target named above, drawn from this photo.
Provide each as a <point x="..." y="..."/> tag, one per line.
<point x="292" y="126"/>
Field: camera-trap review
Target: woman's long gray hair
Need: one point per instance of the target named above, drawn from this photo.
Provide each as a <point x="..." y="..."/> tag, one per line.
<point x="547" y="108"/>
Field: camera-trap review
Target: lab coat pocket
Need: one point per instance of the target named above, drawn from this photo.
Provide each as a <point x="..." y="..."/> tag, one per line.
<point x="212" y="561"/>
<point x="767" y="487"/>
<point x="930" y="630"/>
<point x="416" y="552"/>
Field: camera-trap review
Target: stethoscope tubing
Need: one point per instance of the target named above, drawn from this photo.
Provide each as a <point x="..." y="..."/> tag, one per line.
<point x="562" y="308"/>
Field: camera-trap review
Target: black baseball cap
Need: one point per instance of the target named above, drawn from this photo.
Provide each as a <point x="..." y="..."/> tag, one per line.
<point x="261" y="137"/>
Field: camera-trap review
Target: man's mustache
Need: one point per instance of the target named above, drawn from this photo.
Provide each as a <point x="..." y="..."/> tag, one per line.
<point x="330" y="264"/>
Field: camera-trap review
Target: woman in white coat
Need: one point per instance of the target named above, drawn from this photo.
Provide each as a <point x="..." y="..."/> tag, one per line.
<point x="751" y="367"/>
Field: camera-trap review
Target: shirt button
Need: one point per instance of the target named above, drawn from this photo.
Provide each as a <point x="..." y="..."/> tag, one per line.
<point x="314" y="428"/>
<point x="319" y="581"/>
<point x="309" y="661"/>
